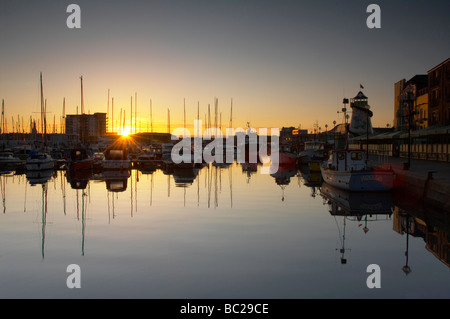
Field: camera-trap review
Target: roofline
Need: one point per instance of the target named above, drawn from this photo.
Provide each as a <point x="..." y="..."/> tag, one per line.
<point x="431" y="70"/>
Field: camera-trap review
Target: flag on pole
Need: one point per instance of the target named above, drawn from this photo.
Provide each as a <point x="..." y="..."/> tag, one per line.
<point x="362" y="87"/>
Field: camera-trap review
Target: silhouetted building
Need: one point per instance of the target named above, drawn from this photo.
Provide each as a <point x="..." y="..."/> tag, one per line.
<point x="439" y="94"/>
<point x="419" y="84"/>
<point x="85" y="127"/>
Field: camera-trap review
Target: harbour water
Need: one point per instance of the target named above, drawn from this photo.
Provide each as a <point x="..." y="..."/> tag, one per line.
<point x="216" y="232"/>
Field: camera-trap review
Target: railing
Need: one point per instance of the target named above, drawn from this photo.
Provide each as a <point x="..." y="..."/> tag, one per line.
<point x="433" y="152"/>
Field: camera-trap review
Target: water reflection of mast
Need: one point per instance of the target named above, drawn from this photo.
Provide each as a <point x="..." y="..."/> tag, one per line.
<point x="44" y="216"/>
<point x="25" y="201"/>
<point x="109" y="209"/>
<point x="343" y="249"/>
<point x="168" y="185"/>
<point x="78" y="206"/>
<point x="198" y="190"/>
<point x="63" y="188"/>
<point x="151" y="190"/>
<point x="131" y="198"/>
<point x="135" y="190"/>
<point x="406" y="269"/>
<point x="83" y="221"/>
<point x="3" y="187"/>
<point x="216" y="195"/>
<point x="230" y="174"/>
<point x="209" y="186"/>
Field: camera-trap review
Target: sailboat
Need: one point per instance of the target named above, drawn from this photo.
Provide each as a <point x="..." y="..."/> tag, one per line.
<point x="39" y="161"/>
<point x="79" y="158"/>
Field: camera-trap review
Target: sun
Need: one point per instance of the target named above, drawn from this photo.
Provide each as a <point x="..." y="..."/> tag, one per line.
<point x="126" y="132"/>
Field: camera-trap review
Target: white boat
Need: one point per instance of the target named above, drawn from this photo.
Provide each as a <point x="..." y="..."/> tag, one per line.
<point x="7" y="159"/>
<point x="347" y="169"/>
<point x="116" y="159"/>
<point x="39" y="162"/>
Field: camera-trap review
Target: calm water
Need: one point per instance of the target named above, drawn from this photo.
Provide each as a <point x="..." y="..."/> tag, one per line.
<point x="217" y="233"/>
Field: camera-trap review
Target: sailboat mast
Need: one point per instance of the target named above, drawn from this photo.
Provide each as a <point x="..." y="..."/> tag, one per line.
<point x="112" y="115"/>
<point x="120" y="122"/>
<point x="198" y="117"/>
<point x="63" y="116"/>
<point x="135" y="113"/>
<point x="3" y="116"/>
<point x="131" y="116"/>
<point x="82" y="102"/>
<point x="231" y="114"/>
<point x="45" y="123"/>
<point x="107" y="110"/>
<point x="151" y="116"/>
<point x="168" y="120"/>
<point x="42" y="105"/>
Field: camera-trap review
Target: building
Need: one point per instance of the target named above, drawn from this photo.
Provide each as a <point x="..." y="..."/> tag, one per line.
<point x="419" y="107"/>
<point x="398" y="111"/>
<point x="85" y="128"/>
<point x="439" y="94"/>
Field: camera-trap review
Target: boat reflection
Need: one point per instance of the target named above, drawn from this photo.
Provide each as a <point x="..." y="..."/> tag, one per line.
<point x="39" y="177"/>
<point x="418" y="222"/>
<point x="79" y="179"/>
<point x="116" y="181"/>
<point x="347" y="203"/>
<point x="356" y="207"/>
<point x="183" y="176"/>
<point x="283" y="176"/>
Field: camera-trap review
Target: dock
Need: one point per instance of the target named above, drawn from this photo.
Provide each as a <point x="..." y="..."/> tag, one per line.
<point x="424" y="182"/>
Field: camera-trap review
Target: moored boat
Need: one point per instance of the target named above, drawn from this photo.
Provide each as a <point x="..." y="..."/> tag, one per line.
<point x="38" y="161"/>
<point x="116" y="159"/>
<point x="347" y="169"/>
<point x="7" y="159"/>
<point x="80" y="160"/>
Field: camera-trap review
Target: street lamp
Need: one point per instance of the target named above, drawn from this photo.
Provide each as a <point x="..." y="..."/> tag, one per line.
<point x="408" y="97"/>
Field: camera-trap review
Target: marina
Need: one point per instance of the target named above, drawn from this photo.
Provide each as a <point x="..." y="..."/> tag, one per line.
<point x="195" y="224"/>
<point x="224" y="157"/>
<point x="216" y="231"/>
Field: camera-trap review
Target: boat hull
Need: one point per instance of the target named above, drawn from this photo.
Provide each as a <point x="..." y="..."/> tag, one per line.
<point x="365" y="180"/>
<point x="286" y="159"/>
<point x="116" y="165"/>
<point x="357" y="203"/>
<point x="39" y="165"/>
<point x="87" y="164"/>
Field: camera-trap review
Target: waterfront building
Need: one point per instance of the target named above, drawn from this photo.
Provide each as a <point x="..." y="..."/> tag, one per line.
<point x="398" y="111"/>
<point x="439" y="94"/>
<point x="419" y="108"/>
<point x="85" y="128"/>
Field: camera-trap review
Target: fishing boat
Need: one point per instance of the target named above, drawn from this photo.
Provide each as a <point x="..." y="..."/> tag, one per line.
<point x="347" y="169"/>
<point x="38" y="161"/>
<point x="287" y="157"/>
<point x="80" y="160"/>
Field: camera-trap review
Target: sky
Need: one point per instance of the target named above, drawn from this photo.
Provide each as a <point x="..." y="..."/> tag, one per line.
<point x="281" y="63"/>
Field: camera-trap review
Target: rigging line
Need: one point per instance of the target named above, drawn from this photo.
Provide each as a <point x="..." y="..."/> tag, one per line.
<point x="339" y="230"/>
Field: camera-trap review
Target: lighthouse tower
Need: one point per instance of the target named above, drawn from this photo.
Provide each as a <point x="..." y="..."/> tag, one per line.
<point x="361" y="123"/>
